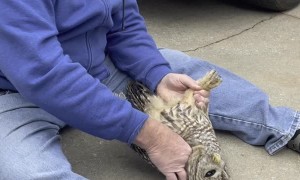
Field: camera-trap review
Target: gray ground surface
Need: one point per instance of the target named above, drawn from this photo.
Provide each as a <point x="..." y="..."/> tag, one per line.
<point x="262" y="47"/>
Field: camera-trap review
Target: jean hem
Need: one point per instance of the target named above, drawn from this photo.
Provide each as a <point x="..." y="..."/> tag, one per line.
<point x="281" y="143"/>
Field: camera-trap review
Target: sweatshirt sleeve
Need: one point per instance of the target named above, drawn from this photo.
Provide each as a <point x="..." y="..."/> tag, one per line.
<point x="133" y="49"/>
<point x="32" y="59"/>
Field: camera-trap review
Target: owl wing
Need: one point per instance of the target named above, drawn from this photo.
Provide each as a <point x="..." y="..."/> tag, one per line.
<point x="138" y="95"/>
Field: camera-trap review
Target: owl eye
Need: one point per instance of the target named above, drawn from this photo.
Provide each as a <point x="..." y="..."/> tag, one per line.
<point x="210" y="173"/>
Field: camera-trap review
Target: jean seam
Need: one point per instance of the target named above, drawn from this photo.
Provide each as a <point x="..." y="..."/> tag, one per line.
<point x="274" y="148"/>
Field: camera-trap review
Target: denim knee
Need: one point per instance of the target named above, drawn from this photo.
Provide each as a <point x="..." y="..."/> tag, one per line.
<point x="30" y="159"/>
<point x="30" y="143"/>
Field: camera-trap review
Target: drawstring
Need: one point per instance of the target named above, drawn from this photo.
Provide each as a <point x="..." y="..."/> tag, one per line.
<point x="123" y="16"/>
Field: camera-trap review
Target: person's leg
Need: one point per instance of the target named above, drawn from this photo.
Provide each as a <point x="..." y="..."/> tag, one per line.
<point x="239" y="107"/>
<point x="30" y="143"/>
<point x="117" y="81"/>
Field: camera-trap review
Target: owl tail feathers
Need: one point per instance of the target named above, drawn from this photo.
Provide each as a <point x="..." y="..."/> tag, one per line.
<point x="138" y="95"/>
<point x="211" y="80"/>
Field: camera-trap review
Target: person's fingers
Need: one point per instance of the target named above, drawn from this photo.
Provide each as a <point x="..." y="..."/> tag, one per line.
<point x="199" y="98"/>
<point x="171" y="176"/>
<point x="201" y="102"/>
<point x="189" y="82"/>
<point x="200" y="105"/>
<point x="202" y="92"/>
<point x="182" y="175"/>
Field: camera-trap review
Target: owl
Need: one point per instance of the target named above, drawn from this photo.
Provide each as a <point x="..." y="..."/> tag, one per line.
<point x="190" y="122"/>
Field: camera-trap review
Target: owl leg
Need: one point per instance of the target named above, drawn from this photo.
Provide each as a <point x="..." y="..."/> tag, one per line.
<point x="210" y="80"/>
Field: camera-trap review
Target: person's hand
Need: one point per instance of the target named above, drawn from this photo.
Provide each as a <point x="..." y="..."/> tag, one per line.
<point x="174" y="85"/>
<point x="166" y="149"/>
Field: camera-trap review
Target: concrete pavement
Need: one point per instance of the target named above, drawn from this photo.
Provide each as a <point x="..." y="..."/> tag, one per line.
<point x="263" y="47"/>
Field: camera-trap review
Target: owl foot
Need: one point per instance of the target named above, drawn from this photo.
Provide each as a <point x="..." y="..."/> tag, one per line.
<point x="211" y="80"/>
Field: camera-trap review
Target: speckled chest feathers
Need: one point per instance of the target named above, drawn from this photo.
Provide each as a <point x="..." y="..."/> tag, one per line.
<point x="190" y="122"/>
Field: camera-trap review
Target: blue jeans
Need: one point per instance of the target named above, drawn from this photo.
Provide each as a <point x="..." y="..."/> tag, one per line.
<point x="30" y="141"/>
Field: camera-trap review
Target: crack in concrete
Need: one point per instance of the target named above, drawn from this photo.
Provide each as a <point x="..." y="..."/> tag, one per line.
<point x="289" y="15"/>
<point x="231" y="36"/>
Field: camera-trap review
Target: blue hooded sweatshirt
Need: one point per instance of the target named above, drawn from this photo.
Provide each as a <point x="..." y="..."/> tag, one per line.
<point x="52" y="53"/>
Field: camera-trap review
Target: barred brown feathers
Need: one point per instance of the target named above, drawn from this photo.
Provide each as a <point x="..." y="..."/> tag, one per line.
<point x="190" y="122"/>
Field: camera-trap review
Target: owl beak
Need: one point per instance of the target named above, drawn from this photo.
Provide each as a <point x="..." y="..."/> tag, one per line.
<point x="216" y="158"/>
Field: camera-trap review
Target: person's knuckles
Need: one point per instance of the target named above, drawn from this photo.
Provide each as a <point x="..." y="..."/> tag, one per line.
<point x="203" y="93"/>
<point x="206" y="100"/>
<point x="198" y="98"/>
<point x="201" y="105"/>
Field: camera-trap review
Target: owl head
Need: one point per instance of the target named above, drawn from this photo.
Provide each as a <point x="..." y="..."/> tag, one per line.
<point x="203" y="165"/>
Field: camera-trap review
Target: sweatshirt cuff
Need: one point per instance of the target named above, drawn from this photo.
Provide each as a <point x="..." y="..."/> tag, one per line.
<point x="133" y="126"/>
<point x="155" y="75"/>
